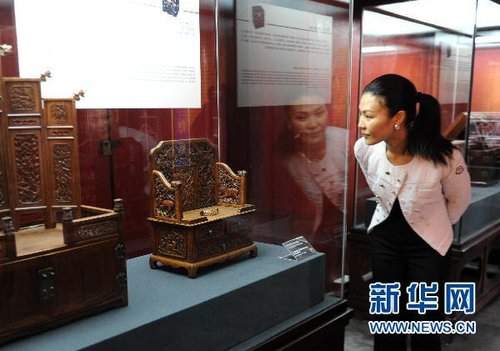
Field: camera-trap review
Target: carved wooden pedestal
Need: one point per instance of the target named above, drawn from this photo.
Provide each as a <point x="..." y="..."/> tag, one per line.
<point x="192" y="246"/>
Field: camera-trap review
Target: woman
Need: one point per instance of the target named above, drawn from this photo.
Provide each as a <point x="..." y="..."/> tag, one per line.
<point x="313" y="154"/>
<point x="422" y="187"/>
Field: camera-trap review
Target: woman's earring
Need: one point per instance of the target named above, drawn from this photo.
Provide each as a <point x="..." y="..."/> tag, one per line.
<point x="396" y="126"/>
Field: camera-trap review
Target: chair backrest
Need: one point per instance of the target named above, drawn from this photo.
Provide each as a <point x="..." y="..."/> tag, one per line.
<point x="192" y="162"/>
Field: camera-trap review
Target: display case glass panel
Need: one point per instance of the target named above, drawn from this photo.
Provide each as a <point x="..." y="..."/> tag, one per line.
<point x="483" y="139"/>
<point x="287" y="120"/>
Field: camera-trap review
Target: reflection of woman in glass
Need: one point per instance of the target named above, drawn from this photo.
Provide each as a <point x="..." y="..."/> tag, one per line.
<point x="313" y="153"/>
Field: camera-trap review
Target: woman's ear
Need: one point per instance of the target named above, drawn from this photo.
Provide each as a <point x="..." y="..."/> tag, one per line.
<point x="400" y="117"/>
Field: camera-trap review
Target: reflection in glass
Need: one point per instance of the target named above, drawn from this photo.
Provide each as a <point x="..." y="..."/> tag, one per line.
<point x="291" y="85"/>
<point x="312" y="152"/>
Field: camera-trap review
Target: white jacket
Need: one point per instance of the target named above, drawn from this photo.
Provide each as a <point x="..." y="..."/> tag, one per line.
<point x="432" y="197"/>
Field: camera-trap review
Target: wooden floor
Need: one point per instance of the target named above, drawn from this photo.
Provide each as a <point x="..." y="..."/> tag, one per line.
<point x="37" y="239"/>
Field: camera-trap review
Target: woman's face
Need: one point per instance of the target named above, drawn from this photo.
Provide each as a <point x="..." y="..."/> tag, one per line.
<point x="308" y="122"/>
<point x="375" y="122"/>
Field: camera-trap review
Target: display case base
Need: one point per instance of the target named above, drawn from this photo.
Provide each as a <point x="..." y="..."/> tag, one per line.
<point x="265" y="301"/>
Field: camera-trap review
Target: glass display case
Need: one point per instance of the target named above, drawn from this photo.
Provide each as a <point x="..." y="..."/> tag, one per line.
<point x="244" y="90"/>
<point x="453" y="58"/>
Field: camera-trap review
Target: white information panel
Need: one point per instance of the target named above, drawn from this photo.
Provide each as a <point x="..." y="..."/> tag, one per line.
<point x="282" y="53"/>
<point x="122" y="53"/>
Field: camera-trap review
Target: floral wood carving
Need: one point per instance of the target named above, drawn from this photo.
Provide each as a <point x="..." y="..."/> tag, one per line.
<point x="191" y="162"/>
<point x="21" y="98"/>
<point x="24" y="121"/>
<point x="229" y="188"/>
<point x="188" y="176"/>
<point x="171" y="243"/>
<point x="97" y="229"/>
<point x="26" y="148"/>
<point x="62" y="172"/>
<point x="165" y="200"/>
<point x="58" y="114"/>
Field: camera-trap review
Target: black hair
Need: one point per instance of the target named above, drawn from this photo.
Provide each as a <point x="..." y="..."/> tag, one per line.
<point x="424" y="130"/>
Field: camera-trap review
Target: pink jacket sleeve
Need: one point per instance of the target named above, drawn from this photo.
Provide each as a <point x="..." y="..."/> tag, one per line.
<point x="456" y="187"/>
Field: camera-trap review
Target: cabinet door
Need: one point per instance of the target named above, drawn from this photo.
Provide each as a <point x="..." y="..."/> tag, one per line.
<point x="88" y="277"/>
<point x="46" y="291"/>
<point x="20" y="301"/>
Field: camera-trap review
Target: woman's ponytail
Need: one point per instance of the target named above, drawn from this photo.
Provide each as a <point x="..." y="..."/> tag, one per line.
<point x="425" y="138"/>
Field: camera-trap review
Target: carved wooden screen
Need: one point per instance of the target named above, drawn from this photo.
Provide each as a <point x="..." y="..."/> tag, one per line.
<point x="63" y="170"/>
<point x="24" y="136"/>
<point x="39" y="157"/>
<point x="191" y="162"/>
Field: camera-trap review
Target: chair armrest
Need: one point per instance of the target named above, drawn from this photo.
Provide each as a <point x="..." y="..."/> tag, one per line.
<point x="230" y="188"/>
<point x="166" y="198"/>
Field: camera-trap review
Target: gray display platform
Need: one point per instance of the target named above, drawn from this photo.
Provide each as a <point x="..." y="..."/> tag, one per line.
<point x="482" y="213"/>
<point x="226" y="305"/>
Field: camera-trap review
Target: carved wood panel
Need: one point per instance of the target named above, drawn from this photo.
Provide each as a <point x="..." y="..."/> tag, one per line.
<point x="4" y="200"/>
<point x="3" y="184"/>
<point x="59" y="112"/>
<point x="22" y="96"/>
<point x="172" y="242"/>
<point x="63" y="186"/>
<point x="193" y="163"/>
<point x="26" y="153"/>
<point x="22" y="128"/>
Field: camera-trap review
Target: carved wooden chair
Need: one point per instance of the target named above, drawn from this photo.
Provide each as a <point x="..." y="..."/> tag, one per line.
<point x="199" y="214"/>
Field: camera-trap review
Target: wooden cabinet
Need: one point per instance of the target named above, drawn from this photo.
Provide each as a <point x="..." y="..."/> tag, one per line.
<point x="47" y="290"/>
<point x="52" y="276"/>
<point x="59" y="260"/>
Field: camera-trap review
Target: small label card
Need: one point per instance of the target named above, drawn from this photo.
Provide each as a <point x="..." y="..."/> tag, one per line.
<point x="299" y="249"/>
